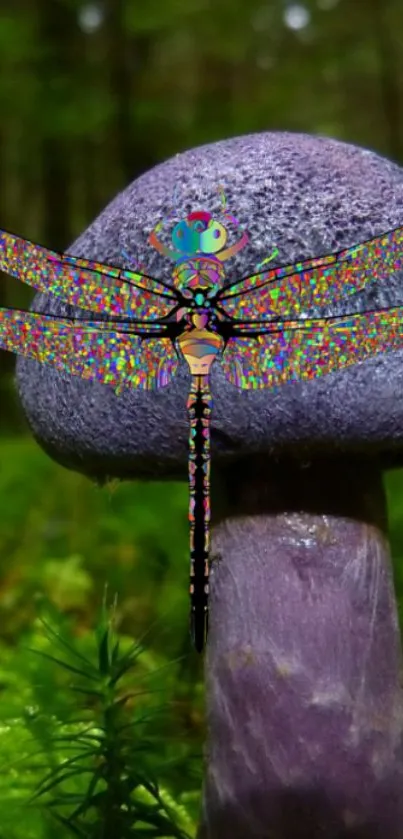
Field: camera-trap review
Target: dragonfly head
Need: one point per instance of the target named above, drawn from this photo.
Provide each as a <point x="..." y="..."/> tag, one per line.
<point x="199" y="233"/>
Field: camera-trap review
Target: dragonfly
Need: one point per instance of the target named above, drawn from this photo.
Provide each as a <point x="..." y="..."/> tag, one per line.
<point x="136" y="330"/>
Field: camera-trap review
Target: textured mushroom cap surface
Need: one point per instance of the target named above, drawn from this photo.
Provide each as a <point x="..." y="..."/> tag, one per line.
<point x="307" y="196"/>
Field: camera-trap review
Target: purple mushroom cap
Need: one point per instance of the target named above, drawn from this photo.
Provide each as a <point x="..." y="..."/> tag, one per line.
<point x="303" y="667"/>
<point x="307" y="196"/>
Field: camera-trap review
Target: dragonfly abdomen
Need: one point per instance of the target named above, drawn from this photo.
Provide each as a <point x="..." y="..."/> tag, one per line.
<point x="200" y="346"/>
<point x="199" y="408"/>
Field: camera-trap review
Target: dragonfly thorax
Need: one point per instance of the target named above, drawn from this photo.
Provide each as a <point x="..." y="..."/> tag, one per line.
<point x="199" y="275"/>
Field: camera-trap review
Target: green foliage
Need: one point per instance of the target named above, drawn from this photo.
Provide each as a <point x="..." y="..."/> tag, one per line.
<point x="61" y="540"/>
<point x="67" y="538"/>
<point x="93" y="725"/>
<point x="105" y="748"/>
<point x="394" y="491"/>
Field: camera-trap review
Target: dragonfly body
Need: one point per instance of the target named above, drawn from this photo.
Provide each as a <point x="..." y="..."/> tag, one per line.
<point x="200" y="346"/>
<point x="255" y="327"/>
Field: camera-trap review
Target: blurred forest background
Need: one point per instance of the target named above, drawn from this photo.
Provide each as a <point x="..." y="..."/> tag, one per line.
<point x="91" y="95"/>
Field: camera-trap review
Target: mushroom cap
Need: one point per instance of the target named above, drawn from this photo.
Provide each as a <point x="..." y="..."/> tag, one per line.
<point x="305" y="195"/>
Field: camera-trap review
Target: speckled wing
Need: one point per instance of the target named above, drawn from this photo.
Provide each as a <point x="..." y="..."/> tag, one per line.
<point x="94" y="350"/>
<point x="86" y="284"/>
<point x="292" y="289"/>
<point x="307" y="349"/>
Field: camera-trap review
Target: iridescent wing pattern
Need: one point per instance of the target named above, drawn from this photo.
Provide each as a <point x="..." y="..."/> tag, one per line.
<point x="292" y="289"/>
<point x="95" y="350"/>
<point x="291" y="350"/>
<point x="89" y="285"/>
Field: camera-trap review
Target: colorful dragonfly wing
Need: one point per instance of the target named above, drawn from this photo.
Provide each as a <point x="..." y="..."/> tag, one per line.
<point x="94" y="350"/>
<point x="80" y="282"/>
<point x="310" y="348"/>
<point x="290" y="290"/>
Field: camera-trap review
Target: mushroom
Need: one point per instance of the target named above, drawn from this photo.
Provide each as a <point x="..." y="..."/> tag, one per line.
<point x="304" y="703"/>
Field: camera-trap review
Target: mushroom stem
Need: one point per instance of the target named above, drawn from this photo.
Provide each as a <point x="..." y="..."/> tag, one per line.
<point x="304" y="703"/>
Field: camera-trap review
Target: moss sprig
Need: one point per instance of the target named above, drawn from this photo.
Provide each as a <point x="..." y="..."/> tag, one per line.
<point x="102" y="781"/>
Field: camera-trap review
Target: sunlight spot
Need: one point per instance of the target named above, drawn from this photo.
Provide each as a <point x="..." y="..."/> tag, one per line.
<point x="296" y="17"/>
<point x="90" y="18"/>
